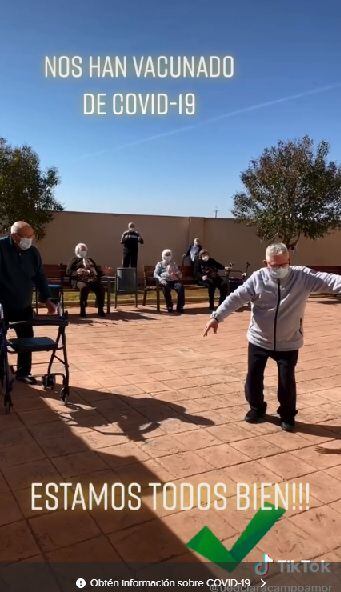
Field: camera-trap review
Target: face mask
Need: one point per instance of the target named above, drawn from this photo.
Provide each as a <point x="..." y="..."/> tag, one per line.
<point x="25" y="243"/>
<point x="167" y="258"/>
<point x="206" y="258"/>
<point x="82" y="253"/>
<point x="280" y="273"/>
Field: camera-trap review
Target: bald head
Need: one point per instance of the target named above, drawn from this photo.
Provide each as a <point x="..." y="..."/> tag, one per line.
<point x="22" y="234"/>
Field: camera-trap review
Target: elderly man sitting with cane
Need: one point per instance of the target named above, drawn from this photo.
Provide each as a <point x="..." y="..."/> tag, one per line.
<point x="278" y="294"/>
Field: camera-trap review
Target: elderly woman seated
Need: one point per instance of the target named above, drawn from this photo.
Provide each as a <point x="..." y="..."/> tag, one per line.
<point x="168" y="275"/>
<point x="85" y="275"/>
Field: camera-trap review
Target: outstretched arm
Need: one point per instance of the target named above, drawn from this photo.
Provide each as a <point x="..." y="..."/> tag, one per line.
<point x="244" y="294"/>
<point x="319" y="282"/>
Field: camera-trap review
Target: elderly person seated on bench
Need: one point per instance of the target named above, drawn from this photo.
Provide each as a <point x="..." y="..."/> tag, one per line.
<point x="85" y="275"/>
<point x="169" y="275"/>
<point x="208" y="276"/>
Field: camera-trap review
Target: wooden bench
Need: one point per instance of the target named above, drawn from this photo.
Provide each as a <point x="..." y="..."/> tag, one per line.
<point x="327" y="268"/>
<point x="56" y="276"/>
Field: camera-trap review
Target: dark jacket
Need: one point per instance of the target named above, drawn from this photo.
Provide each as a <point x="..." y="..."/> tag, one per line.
<point x="77" y="263"/>
<point x="20" y="272"/>
<point x="209" y="268"/>
<point x="130" y="240"/>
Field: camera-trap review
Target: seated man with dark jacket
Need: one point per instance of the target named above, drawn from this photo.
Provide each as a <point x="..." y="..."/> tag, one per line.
<point x="85" y="275"/>
<point x="207" y="270"/>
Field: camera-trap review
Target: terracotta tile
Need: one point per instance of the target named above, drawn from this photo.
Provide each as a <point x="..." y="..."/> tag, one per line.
<point x="222" y="455"/>
<point x="159" y="543"/>
<point x="16" y="542"/>
<point x="286" y="540"/>
<point x="96" y="550"/>
<point x="123" y="455"/>
<point x="197" y="439"/>
<point x="79" y="463"/>
<point x="287" y="466"/>
<point x="162" y="446"/>
<point x="258" y="447"/>
<point x="253" y="472"/>
<point x="324" y="487"/>
<point x="186" y="524"/>
<point x="323" y="456"/>
<point x="184" y="464"/>
<point x="321" y="525"/>
<point x="9" y="510"/>
<point x="60" y="529"/>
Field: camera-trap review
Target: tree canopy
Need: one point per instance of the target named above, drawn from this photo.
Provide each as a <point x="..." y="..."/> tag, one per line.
<point x="26" y="192"/>
<point x="291" y="191"/>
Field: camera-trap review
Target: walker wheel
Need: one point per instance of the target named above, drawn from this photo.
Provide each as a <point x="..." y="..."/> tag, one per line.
<point x="49" y="380"/>
<point x="64" y="393"/>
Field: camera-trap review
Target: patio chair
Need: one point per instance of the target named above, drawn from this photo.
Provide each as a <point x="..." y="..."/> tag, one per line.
<point x="150" y="285"/>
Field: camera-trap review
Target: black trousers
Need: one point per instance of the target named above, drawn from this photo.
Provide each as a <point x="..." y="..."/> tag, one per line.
<point x="212" y="284"/>
<point x="180" y="290"/>
<point x="286" y="362"/>
<point x="129" y="258"/>
<point x="24" y="358"/>
<point x="95" y="287"/>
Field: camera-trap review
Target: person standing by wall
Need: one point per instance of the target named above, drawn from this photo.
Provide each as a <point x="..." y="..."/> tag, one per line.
<point x="130" y="240"/>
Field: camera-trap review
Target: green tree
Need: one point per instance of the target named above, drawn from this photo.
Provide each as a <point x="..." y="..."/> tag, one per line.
<point x="291" y="191"/>
<point x="26" y="192"/>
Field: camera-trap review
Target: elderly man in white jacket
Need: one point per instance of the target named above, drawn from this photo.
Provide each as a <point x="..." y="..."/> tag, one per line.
<point x="278" y="294"/>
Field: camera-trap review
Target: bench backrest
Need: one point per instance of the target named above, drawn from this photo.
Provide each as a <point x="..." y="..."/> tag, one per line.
<point x="55" y="272"/>
<point x="327" y="268"/>
<point x="148" y="274"/>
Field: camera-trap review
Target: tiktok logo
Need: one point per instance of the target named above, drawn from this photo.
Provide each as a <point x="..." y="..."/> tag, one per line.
<point x="262" y="568"/>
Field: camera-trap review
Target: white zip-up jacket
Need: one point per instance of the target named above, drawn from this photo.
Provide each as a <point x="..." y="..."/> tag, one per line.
<point x="277" y="306"/>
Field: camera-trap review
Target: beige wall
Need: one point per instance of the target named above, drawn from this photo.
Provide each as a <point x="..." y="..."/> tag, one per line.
<point x="225" y="239"/>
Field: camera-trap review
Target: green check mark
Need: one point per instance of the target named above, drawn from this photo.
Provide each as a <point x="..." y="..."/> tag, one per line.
<point x="209" y="546"/>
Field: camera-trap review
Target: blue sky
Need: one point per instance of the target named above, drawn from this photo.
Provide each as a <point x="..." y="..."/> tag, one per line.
<point x="138" y="164"/>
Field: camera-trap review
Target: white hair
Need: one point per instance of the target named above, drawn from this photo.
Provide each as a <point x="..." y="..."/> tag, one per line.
<point x="78" y="248"/>
<point x="18" y="226"/>
<point x="165" y="252"/>
<point x="276" y="249"/>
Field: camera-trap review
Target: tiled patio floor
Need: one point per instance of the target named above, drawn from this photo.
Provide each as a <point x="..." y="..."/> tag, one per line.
<point x="152" y="400"/>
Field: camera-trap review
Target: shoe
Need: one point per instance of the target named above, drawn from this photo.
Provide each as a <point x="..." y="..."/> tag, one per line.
<point x="27" y="379"/>
<point x="83" y="313"/>
<point x="179" y="310"/>
<point x="288" y="426"/>
<point x="253" y="416"/>
<point x="101" y="313"/>
<point x="170" y="309"/>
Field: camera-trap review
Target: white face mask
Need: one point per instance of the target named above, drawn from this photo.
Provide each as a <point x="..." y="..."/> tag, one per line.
<point x="83" y="253"/>
<point x="25" y="243"/>
<point x="167" y="258"/>
<point x="279" y="273"/>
